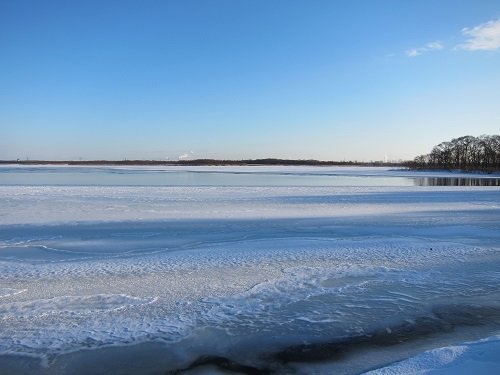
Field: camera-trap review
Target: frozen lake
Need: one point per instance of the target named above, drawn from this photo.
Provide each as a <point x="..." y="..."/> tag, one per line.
<point x="284" y="270"/>
<point x="232" y="176"/>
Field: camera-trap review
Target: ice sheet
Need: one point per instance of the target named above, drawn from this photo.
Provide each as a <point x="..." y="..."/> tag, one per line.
<point x="92" y="266"/>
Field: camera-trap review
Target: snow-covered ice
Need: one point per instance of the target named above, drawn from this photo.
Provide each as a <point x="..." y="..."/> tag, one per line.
<point x="246" y="270"/>
<point x="479" y="357"/>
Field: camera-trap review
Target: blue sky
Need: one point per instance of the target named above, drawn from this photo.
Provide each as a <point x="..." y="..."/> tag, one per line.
<point x="331" y="80"/>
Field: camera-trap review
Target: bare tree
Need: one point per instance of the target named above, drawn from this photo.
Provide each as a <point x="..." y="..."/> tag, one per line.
<point x="465" y="153"/>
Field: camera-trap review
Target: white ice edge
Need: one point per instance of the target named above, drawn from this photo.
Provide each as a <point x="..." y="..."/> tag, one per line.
<point x="480" y="357"/>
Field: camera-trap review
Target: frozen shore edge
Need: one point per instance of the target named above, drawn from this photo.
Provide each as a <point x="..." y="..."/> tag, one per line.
<point x="453" y="355"/>
<point x="471" y="357"/>
<point x="476" y="357"/>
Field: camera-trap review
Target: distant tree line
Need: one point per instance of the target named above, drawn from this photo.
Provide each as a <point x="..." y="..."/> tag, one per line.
<point x="466" y="153"/>
<point x="274" y="161"/>
<point x="197" y="162"/>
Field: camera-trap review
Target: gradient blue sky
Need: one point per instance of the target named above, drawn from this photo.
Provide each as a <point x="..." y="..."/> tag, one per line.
<point x="356" y="80"/>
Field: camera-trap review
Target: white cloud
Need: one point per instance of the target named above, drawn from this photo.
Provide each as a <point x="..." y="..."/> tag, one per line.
<point x="413" y="52"/>
<point x="185" y="156"/>
<point x="485" y="37"/>
<point x="431" y="46"/>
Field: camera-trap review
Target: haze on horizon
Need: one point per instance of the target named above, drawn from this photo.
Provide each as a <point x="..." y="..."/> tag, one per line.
<point x="328" y="80"/>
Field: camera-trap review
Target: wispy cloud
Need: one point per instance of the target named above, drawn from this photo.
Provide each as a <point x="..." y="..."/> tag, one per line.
<point x="429" y="47"/>
<point x="484" y="37"/>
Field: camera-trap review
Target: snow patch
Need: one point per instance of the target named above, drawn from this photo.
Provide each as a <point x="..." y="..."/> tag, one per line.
<point x="479" y="357"/>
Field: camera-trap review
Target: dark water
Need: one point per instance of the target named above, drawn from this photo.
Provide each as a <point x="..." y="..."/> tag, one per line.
<point x="456" y="181"/>
<point x="90" y="176"/>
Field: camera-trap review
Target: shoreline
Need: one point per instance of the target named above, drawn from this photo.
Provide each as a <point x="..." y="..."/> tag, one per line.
<point x="373" y="354"/>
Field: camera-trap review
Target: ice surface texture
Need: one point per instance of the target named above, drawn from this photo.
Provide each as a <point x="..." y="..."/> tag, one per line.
<point x="93" y="266"/>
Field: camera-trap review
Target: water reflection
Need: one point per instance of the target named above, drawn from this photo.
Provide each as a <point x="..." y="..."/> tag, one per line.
<point x="456" y="181"/>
